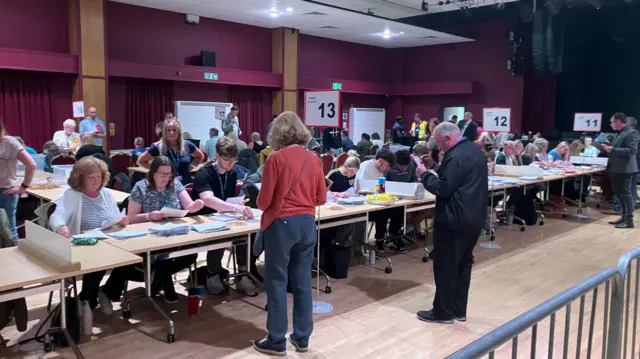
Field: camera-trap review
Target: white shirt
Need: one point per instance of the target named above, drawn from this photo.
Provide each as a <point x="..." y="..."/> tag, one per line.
<point x="66" y="142"/>
<point x="509" y="160"/>
<point x="368" y="171"/>
<point x="378" y="143"/>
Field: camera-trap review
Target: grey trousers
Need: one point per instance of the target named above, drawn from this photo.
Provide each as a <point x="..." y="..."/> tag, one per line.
<point x="621" y="185"/>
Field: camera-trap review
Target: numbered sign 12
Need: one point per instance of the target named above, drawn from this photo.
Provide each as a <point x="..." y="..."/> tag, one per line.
<point x="322" y="108"/>
<point x="587" y="122"/>
<point x="496" y="119"/>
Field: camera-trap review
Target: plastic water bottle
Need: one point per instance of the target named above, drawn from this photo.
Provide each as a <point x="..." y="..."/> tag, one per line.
<point x="381" y="185"/>
<point x="372" y="257"/>
<point x="87" y="319"/>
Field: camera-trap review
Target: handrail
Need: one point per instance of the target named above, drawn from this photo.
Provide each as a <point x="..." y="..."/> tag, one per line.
<point x="618" y="310"/>
<point x="507" y="331"/>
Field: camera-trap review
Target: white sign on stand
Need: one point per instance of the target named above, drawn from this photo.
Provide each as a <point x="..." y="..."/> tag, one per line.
<point x="587" y="122"/>
<point x="78" y="109"/>
<point x="496" y="119"/>
<point x="322" y="108"/>
<point x="221" y="113"/>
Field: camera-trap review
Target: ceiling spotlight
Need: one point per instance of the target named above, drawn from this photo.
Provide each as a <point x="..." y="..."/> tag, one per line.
<point x="386" y="36"/>
<point x="289" y="9"/>
<point x="273" y="13"/>
<point x="402" y="32"/>
<point x="387" y="32"/>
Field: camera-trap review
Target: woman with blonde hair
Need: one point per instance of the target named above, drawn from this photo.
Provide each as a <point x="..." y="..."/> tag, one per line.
<point x="575" y="148"/>
<point x="184" y="154"/>
<point x="560" y="153"/>
<point x="88" y="148"/>
<point x="293" y="184"/>
<point x="342" y="178"/>
<point x="85" y="206"/>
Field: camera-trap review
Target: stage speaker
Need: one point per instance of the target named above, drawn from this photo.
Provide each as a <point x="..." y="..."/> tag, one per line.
<point x="207" y="58"/>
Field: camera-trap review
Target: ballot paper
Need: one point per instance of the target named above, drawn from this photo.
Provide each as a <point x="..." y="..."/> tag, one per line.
<point x="169" y="229"/>
<point x="257" y="185"/>
<point x="209" y="227"/>
<point x="236" y="200"/>
<point x="112" y="222"/>
<point x="127" y="234"/>
<point x="351" y="201"/>
<point x="528" y="178"/>
<point x="174" y="213"/>
<point x="94" y="234"/>
<point x="232" y="216"/>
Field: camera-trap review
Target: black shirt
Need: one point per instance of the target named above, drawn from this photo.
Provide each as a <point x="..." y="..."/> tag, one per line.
<point x="208" y="178"/>
<point x="182" y="163"/>
<point x="340" y="182"/>
<point x="88" y="150"/>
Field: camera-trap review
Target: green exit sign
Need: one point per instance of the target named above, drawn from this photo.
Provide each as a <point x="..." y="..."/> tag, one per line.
<point x="337" y="86"/>
<point x="211" y="76"/>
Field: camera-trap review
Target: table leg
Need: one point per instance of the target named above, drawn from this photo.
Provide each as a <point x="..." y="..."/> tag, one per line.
<point x="147" y="282"/>
<point x="63" y="321"/>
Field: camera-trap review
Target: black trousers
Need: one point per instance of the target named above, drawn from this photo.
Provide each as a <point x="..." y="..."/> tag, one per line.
<point x="452" y="271"/>
<point x="621" y="185"/>
<point x="214" y="258"/>
<point x="395" y="217"/>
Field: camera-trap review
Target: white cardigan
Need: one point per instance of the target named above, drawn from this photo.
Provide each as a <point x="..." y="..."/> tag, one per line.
<point x="69" y="210"/>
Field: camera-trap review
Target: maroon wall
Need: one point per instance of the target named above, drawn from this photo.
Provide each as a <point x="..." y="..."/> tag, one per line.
<point x="37" y="25"/>
<point x="482" y="61"/>
<point x="151" y="36"/>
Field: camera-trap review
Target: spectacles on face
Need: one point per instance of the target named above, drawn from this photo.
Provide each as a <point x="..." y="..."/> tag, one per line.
<point x="164" y="174"/>
<point x="228" y="159"/>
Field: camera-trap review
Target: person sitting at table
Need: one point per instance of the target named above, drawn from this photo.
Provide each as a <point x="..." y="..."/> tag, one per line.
<point x="529" y="154"/>
<point x="67" y="139"/>
<point x="518" y="152"/>
<point x="376" y="141"/>
<point x="85" y="206"/>
<point x="560" y="153"/>
<point x="138" y="147"/>
<point x="214" y="184"/>
<point x="50" y="150"/>
<point x="88" y="148"/>
<point x="575" y="148"/>
<point x="364" y="146"/>
<point x="12" y="152"/>
<point x="543" y="146"/>
<point x="148" y="197"/>
<point x="589" y="149"/>
<point x="506" y="157"/>
<point x="375" y="168"/>
<point x="30" y="150"/>
<point x="343" y="178"/>
<point x="179" y="151"/>
<point x="256" y="145"/>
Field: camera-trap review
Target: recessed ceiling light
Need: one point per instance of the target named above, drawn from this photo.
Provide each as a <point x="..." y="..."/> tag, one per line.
<point x="290" y="9"/>
<point x="387" y="32"/>
<point x="273" y="13"/>
<point x="386" y="36"/>
<point x="402" y="32"/>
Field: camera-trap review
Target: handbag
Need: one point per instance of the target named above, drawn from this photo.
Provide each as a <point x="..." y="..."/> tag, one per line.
<point x="258" y="243"/>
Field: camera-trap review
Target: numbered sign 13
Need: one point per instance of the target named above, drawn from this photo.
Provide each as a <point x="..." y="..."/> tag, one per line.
<point x="496" y="119"/>
<point x="322" y="108"/>
<point x="587" y="122"/>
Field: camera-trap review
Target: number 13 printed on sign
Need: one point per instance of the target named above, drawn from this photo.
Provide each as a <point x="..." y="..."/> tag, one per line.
<point x="322" y="108"/>
<point x="331" y="110"/>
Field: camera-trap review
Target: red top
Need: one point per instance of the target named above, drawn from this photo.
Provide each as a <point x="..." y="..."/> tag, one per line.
<point x="280" y="171"/>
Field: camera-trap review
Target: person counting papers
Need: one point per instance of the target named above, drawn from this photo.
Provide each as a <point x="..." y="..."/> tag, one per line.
<point x="460" y="181"/>
<point x="214" y="184"/>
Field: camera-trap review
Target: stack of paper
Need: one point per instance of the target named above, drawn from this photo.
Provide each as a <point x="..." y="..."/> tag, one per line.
<point x="174" y="213"/>
<point x="232" y="216"/>
<point x="169" y="229"/>
<point x="95" y="234"/>
<point x="209" y="227"/>
<point x="127" y="234"/>
<point x="351" y="201"/>
<point x="113" y="221"/>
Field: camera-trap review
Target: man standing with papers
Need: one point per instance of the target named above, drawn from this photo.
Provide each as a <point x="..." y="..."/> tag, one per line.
<point x="459" y="185"/>
<point x="214" y="184"/>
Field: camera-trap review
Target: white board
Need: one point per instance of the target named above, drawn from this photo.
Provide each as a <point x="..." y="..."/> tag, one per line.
<point x="587" y="122"/>
<point x="198" y="118"/>
<point x="322" y="108"/>
<point x="496" y="119"/>
<point x="366" y="120"/>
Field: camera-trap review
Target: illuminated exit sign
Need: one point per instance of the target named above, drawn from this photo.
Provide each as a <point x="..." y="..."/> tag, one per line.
<point x="337" y="86"/>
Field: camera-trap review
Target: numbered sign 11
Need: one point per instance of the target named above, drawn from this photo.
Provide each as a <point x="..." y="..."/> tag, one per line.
<point x="496" y="119"/>
<point x="322" y="108"/>
<point x="587" y="122"/>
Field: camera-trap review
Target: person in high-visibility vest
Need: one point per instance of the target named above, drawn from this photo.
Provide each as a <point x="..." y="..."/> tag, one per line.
<point x="421" y="127"/>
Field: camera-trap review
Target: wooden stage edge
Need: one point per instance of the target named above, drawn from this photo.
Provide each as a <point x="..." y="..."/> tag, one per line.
<point x="374" y="315"/>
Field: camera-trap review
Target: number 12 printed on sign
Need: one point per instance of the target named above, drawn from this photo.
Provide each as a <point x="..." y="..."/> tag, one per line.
<point x="496" y="119"/>
<point x="322" y="108"/>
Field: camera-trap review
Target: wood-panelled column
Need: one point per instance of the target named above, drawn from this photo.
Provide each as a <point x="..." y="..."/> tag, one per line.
<point x="87" y="41"/>
<point x="284" y="60"/>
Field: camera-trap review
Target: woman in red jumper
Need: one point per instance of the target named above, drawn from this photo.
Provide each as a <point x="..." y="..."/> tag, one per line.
<point x="292" y="186"/>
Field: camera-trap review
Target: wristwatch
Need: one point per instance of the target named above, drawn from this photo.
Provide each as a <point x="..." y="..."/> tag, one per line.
<point x="24" y="186"/>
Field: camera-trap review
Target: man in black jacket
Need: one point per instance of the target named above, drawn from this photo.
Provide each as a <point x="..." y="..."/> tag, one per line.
<point x="622" y="165"/>
<point x="468" y="127"/>
<point x="459" y="185"/>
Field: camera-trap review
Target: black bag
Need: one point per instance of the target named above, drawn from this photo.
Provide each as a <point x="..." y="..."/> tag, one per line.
<point x="337" y="260"/>
<point x="73" y="322"/>
<point x="526" y="209"/>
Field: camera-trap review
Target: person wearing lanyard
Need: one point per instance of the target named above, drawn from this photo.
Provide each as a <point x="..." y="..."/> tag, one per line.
<point x="179" y="151"/>
<point x="213" y="184"/>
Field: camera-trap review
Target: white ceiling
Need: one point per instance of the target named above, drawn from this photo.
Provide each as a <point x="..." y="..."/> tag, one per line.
<point x="350" y="26"/>
<point x="397" y="9"/>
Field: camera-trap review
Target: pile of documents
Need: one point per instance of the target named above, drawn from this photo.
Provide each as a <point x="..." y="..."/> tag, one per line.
<point x="232" y="216"/>
<point x="127" y="234"/>
<point x="94" y="234"/>
<point x="169" y="229"/>
<point x="209" y="227"/>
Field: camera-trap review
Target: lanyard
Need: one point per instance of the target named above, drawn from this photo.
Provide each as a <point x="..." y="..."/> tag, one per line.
<point x="226" y="177"/>
<point x="174" y="157"/>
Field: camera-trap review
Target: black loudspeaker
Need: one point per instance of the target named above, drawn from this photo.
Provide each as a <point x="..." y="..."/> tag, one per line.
<point x="207" y="58"/>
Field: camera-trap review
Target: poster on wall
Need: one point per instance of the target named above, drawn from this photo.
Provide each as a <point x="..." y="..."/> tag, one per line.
<point x="78" y="109"/>
<point x="587" y="122"/>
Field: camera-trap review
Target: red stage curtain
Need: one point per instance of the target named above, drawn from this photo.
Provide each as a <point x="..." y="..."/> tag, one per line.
<point x="146" y="103"/>
<point x="33" y="105"/>
<point x="254" y="105"/>
<point x="539" y="105"/>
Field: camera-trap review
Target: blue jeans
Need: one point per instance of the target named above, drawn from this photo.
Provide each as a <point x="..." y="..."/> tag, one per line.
<point x="10" y="205"/>
<point x="289" y="244"/>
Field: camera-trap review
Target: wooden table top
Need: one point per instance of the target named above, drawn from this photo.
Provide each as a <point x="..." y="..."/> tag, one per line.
<point x="21" y="270"/>
<point x="52" y="194"/>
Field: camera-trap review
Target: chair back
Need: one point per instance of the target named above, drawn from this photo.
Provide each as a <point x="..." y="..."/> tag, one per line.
<point x="120" y="162"/>
<point x="327" y="163"/>
<point x="63" y="160"/>
<point x="205" y="159"/>
<point x="373" y="150"/>
<point x="238" y="187"/>
<point x="341" y="159"/>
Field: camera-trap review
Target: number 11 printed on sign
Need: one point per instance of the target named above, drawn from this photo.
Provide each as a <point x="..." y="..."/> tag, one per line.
<point x="587" y="122"/>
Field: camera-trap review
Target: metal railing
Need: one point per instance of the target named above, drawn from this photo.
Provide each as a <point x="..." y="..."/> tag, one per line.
<point x="534" y="318"/>
<point x="626" y="332"/>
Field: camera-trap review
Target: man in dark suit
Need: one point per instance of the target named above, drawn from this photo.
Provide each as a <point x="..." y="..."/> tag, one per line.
<point x="458" y="183"/>
<point x="622" y="166"/>
<point x="468" y="127"/>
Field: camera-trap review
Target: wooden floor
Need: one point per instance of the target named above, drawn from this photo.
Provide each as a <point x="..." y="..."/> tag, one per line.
<point x="374" y="315"/>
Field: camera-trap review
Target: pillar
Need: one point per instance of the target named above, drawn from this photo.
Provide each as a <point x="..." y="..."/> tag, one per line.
<point x="284" y="61"/>
<point x="87" y="42"/>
